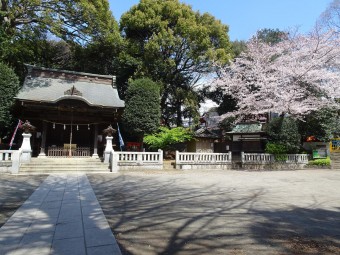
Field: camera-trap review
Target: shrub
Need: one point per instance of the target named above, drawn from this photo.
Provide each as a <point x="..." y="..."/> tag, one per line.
<point x="320" y="162"/>
<point x="166" y="137"/>
<point x="284" y="130"/>
<point x="278" y="150"/>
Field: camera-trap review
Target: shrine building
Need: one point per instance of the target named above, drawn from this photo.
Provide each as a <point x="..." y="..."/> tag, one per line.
<point x="69" y="110"/>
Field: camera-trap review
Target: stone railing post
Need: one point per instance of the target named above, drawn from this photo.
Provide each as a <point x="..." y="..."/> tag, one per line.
<point x="242" y="157"/>
<point x="177" y="160"/>
<point x="114" y="161"/>
<point x="15" y="161"/>
<point x="26" y="148"/>
<point x="160" y="156"/>
<point x="108" y="149"/>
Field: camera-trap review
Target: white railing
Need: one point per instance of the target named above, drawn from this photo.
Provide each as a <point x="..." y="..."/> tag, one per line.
<point x="264" y="158"/>
<point x="131" y="160"/>
<point x="195" y="157"/>
<point x="297" y="158"/>
<point x="197" y="160"/>
<point x="11" y="159"/>
<point x="6" y="155"/>
<point x="140" y="157"/>
<point x="261" y="158"/>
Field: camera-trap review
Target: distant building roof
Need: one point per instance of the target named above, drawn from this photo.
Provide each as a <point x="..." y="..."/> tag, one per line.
<point x="207" y="133"/>
<point x="52" y="85"/>
<point x="243" y="128"/>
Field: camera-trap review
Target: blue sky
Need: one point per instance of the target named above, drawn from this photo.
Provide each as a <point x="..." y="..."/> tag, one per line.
<point x="245" y="17"/>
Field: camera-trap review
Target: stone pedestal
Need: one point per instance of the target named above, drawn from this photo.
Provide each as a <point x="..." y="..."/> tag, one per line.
<point x="108" y="149"/>
<point x="26" y="148"/>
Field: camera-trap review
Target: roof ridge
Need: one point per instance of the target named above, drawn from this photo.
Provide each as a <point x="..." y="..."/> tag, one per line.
<point x="69" y="72"/>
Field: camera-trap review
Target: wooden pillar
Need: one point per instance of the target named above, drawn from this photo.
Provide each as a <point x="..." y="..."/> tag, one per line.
<point x="95" y="142"/>
<point x="43" y="141"/>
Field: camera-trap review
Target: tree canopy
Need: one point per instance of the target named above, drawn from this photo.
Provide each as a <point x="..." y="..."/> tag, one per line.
<point x="9" y="86"/>
<point x="142" y="108"/>
<point x="173" y="44"/>
<point x="75" y="21"/>
<point x="294" y="76"/>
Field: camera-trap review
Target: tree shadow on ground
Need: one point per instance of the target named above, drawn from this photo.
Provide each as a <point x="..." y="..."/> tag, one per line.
<point x="14" y="190"/>
<point x="299" y="230"/>
<point x="164" y="216"/>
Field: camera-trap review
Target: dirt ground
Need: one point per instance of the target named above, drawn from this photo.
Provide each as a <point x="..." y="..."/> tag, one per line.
<point x="14" y="190"/>
<point x="222" y="212"/>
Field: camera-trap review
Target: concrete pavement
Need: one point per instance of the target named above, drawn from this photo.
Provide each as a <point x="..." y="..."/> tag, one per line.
<point x="62" y="216"/>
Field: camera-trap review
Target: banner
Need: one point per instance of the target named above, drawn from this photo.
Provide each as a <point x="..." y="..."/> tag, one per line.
<point x="15" y="132"/>
<point x="121" y="142"/>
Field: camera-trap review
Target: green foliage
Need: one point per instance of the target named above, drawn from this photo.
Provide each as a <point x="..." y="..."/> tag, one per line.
<point x="271" y="36"/>
<point x="142" y="110"/>
<point x="320" y="162"/>
<point x="9" y="86"/>
<point x="75" y="21"/>
<point x="238" y="47"/>
<point x="278" y="150"/>
<point x="227" y="124"/>
<point x="284" y="131"/>
<point x="322" y="124"/>
<point x="167" y="137"/>
<point x="172" y="44"/>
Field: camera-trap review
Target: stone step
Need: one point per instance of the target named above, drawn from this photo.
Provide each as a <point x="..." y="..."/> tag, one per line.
<point x="62" y="165"/>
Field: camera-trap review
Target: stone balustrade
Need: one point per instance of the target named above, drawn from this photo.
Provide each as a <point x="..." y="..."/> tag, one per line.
<point x="268" y="161"/>
<point x="138" y="160"/>
<point x="10" y="161"/>
<point x="196" y="160"/>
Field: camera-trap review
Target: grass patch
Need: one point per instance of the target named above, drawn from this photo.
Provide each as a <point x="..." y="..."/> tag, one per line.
<point x="320" y="162"/>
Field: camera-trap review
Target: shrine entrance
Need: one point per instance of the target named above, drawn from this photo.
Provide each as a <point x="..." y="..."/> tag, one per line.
<point x="69" y="110"/>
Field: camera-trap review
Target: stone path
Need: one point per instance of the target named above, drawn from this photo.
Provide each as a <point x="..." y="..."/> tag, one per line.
<point x="62" y="216"/>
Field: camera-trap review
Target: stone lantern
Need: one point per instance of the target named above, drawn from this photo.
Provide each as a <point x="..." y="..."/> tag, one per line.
<point x="109" y="131"/>
<point x="26" y="143"/>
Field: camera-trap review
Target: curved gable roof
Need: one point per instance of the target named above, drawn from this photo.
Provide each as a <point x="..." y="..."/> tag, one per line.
<point x="52" y="85"/>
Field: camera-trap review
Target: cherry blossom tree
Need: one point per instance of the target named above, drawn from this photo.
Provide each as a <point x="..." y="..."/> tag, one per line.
<point x="295" y="76"/>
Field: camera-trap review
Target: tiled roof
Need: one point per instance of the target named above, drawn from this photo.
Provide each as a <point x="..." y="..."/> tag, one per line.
<point x="51" y="86"/>
<point x="206" y="133"/>
<point x="246" y="128"/>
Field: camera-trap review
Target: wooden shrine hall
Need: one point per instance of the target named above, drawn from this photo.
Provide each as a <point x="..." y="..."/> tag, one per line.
<point x="69" y="110"/>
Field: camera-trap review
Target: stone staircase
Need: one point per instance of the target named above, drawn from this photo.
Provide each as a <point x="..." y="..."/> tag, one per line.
<point x="64" y="165"/>
<point x="335" y="157"/>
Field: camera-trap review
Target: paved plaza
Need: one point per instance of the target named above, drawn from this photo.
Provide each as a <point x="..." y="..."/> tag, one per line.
<point x="175" y="212"/>
<point x="62" y="216"/>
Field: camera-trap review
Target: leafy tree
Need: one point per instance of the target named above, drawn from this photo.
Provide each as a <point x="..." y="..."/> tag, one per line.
<point x="238" y="47"/>
<point x="271" y="36"/>
<point x="168" y="41"/>
<point x="166" y="137"/>
<point x="295" y="76"/>
<point x="75" y="21"/>
<point x="9" y="86"/>
<point x="322" y="124"/>
<point x="142" y="109"/>
<point x="284" y="131"/>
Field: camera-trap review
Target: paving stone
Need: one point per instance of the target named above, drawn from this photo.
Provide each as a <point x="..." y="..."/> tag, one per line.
<point x="106" y="249"/>
<point x="37" y="239"/>
<point x="95" y="221"/>
<point x="97" y="237"/>
<point x="69" y="230"/>
<point x="53" y="219"/>
<point x="71" y="246"/>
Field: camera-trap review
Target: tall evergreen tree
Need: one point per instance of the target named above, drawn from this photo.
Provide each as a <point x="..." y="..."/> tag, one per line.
<point x="9" y="86"/>
<point x="142" y="107"/>
<point x="173" y="44"/>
